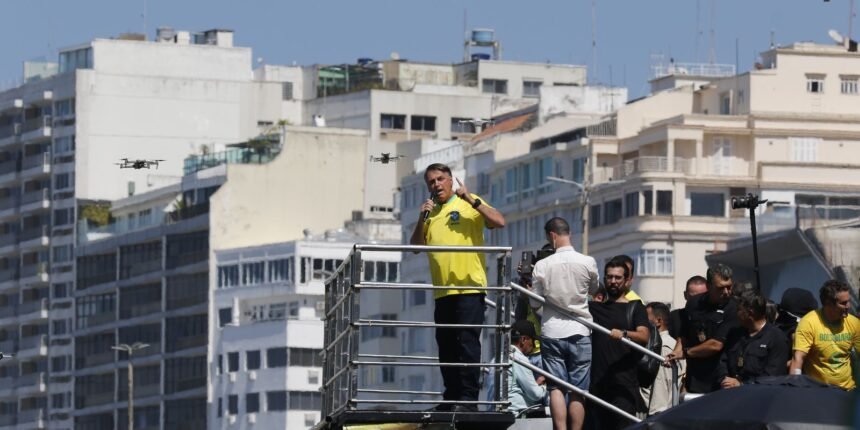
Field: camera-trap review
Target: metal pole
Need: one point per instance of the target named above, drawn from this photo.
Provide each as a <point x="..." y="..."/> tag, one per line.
<point x="575" y="389"/>
<point x="755" y="249"/>
<point x="130" y="391"/>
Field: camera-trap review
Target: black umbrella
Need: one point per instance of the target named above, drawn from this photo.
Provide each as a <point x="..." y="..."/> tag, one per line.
<point x="773" y="403"/>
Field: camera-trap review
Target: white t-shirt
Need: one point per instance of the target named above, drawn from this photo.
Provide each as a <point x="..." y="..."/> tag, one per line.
<point x="564" y="279"/>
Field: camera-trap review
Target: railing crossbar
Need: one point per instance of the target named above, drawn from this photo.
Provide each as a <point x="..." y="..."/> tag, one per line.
<point x="422" y="324"/>
<point x="420" y="393"/>
<point x="426" y="364"/>
<point x="396" y="286"/>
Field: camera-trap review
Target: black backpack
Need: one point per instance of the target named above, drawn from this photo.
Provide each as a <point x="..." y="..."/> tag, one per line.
<point x="647" y="367"/>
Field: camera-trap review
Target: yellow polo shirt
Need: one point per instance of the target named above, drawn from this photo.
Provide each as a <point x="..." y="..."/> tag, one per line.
<point x="828" y="348"/>
<point x="455" y="223"/>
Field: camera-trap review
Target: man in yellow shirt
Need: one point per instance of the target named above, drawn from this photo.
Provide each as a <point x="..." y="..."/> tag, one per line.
<point x="456" y="219"/>
<point x="825" y="337"/>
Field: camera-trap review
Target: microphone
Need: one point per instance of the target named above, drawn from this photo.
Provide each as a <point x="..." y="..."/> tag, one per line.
<point x="426" y="214"/>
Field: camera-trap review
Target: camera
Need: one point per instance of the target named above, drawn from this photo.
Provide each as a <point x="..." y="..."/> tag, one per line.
<point x="749" y="201"/>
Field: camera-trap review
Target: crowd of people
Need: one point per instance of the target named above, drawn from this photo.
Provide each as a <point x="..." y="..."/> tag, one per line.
<point x="725" y="336"/>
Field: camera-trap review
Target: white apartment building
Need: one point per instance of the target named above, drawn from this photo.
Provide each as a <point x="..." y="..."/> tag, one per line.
<point x="662" y="168"/>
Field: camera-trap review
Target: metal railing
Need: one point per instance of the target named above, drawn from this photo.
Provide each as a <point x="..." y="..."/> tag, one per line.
<point x="343" y="321"/>
<point x="597" y="327"/>
<point x="38" y="160"/>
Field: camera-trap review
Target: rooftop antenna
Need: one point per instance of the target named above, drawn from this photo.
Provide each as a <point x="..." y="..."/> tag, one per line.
<point x="772" y="37"/>
<point x="851" y="13"/>
<point x="698" y="28"/>
<point x="144" y="18"/>
<point x="594" y="37"/>
<point x="712" y="51"/>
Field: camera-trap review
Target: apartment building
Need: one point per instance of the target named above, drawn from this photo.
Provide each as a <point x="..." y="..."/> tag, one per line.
<point x="267" y="337"/>
<point x="661" y="169"/>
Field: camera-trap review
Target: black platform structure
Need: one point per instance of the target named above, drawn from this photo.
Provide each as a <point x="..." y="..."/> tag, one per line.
<point x="347" y="403"/>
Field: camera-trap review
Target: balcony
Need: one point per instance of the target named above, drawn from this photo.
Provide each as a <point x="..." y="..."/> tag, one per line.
<point x="187" y="258"/>
<point x="141" y="309"/>
<point x="33" y="346"/>
<point x="7" y="386"/>
<point x="8" y="420"/>
<point x="8" y="278"/>
<point x="8" y="346"/>
<point x="36" y="165"/>
<point x="36" y="309"/>
<point x="32" y="416"/>
<point x="30" y="380"/>
<point x="8" y="242"/>
<point x="86" y="401"/>
<point x="188" y="342"/>
<point x="35" y="128"/>
<point x="99" y="319"/>
<point x="93" y="360"/>
<point x="141" y="268"/>
<point x="10" y="133"/>
<point x="34" y="273"/>
<point x="36" y="236"/>
<point x="140" y="391"/>
<point x="8" y="206"/>
<point x="34" y="200"/>
<point x="649" y="164"/>
<point x="8" y="170"/>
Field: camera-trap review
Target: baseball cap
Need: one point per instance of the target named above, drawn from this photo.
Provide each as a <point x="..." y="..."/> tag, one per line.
<point x="523" y="328"/>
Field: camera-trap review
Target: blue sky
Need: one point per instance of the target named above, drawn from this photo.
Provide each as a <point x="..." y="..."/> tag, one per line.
<point x="322" y="31"/>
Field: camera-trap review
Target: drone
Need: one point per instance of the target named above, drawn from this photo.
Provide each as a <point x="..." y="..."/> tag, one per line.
<point x="137" y="164"/>
<point x="386" y="158"/>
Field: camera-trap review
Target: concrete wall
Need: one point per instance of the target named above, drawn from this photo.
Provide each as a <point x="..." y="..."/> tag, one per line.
<point x="203" y="62"/>
<point x="312" y="184"/>
<point x="515" y="73"/>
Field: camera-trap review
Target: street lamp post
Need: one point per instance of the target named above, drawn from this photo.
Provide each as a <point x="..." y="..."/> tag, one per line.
<point x="130" y="349"/>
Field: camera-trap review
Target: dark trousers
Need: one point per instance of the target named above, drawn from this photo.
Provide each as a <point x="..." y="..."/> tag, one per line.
<point x="460" y="345"/>
<point x="625" y="398"/>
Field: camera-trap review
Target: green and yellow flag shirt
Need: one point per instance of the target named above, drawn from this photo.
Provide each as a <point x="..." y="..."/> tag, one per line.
<point x="456" y="223"/>
<point x="828" y="348"/>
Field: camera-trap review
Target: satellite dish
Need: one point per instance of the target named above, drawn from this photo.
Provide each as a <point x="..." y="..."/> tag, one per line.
<point x="395" y="56"/>
<point x="838" y="38"/>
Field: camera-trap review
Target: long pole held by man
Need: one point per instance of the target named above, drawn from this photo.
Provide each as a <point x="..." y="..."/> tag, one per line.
<point x="458" y="219"/>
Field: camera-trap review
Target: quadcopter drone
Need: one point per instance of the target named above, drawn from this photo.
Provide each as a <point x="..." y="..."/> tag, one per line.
<point x="386" y="158"/>
<point x="137" y="164"/>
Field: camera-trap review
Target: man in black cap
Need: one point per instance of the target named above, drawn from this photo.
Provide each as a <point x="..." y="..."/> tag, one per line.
<point x="795" y="303"/>
<point x="523" y="390"/>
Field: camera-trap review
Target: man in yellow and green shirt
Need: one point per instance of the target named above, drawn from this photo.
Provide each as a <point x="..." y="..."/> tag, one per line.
<point x="456" y="219"/>
<point x="825" y="338"/>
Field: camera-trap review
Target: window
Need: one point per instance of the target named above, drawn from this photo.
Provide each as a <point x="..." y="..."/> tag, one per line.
<point x="225" y="316"/>
<point x="595" y="216"/>
<point x="721" y="163"/>
<point x="655" y="262"/>
<point x="804" y="149"/>
<point x="707" y="204"/>
<point x="313" y="377"/>
<point x="228" y="276"/>
<point x="64" y="216"/>
<point x="544" y="169"/>
<point x="188" y="248"/>
<point x="417" y="297"/>
<point x="186" y="332"/>
<point x="77" y="59"/>
<point x="276" y="357"/>
<point x="631" y="204"/>
<point x="815" y="83"/>
<point x="276" y="400"/>
<point x="531" y="88"/>
<point x="286" y="90"/>
<point x="848" y="85"/>
<point x="462" y="125"/>
<point x="187" y="290"/>
<point x="370" y="333"/>
<point x="64" y="145"/>
<point x="664" y="202"/>
<point x="423" y="123"/>
<point x="613" y="211"/>
<point x="417" y="341"/>
<point x="511" y="185"/>
<point x="388" y="374"/>
<point x="253" y="273"/>
<point x="305" y="400"/>
<point x="232" y="361"/>
<point x="579" y="170"/>
<point x="139" y="300"/>
<point x="97" y="309"/>
<point x="62" y="253"/>
<point x="725" y="104"/>
<point x="305" y="357"/>
<point x="281" y="270"/>
<point x="252" y="360"/>
<point x="59" y="327"/>
<point x="495" y="86"/>
<point x="64" y="107"/>
<point x="184" y="373"/>
<point x="392" y="121"/>
<point x="252" y="403"/>
<point x="61" y="290"/>
<point x="526" y="176"/>
<point x="63" y="181"/>
<point x="61" y="363"/>
<point x="232" y="404"/>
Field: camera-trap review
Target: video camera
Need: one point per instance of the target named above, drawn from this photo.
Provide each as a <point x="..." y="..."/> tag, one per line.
<point x="749" y="201"/>
<point x="530" y="258"/>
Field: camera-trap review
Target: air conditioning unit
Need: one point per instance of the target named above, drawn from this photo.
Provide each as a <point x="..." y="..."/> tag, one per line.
<point x="231" y="419"/>
<point x="252" y="418"/>
<point x="232" y="376"/>
<point x="252" y="375"/>
<point x="321" y="306"/>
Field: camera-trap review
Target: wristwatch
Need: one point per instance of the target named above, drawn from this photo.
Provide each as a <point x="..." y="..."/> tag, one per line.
<point x="624" y="334"/>
<point x="477" y="203"/>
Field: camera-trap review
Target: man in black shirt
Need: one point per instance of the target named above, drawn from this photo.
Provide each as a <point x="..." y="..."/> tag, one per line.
<point x="707" y="331"/>
<point x="613" y="364"/>
<point x="761" y="351"/>
<point x="695" y="285"/>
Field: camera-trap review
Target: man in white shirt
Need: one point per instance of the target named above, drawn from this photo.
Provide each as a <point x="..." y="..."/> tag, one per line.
<point x="658" y="396"/>
<point x="564" y="279"/>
